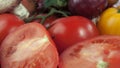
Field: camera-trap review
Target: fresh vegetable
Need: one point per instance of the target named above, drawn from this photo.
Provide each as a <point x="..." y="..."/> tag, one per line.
<point x="109" y="22"/>
<point x="45" y="16"/>
<point x="51" y="7"/>
<point x="8" y="5"/>
<point x="29" y="46"/>
<point x="71" y="30"/>
<point x="100" y="52"/>
<point x="8" y="22"/>
<point x="87" y="8"/>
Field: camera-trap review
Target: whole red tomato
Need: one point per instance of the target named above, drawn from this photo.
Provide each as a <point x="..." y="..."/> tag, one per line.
<point x="28" y="46"/>
<point x="100" y="52"/>
<point x="71" y="30"/>
<point x="8" y="22"/>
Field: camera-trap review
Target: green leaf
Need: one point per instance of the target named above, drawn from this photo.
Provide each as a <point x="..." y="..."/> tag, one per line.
<point x="55" y="3"/>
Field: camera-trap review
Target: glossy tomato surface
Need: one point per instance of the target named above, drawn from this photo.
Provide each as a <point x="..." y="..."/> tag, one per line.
<point x="29" y="46"/>
<point x="99" y="52"/>
<point x="8" y="22"/>
<point x="71" y="30"/>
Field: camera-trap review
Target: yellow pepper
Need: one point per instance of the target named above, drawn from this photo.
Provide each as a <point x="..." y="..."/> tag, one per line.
<point x="109" y="22"/>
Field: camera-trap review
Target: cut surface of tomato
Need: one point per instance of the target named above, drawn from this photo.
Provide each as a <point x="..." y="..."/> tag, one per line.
<point x="29" y="46"/>
<point x="99" y="52"/>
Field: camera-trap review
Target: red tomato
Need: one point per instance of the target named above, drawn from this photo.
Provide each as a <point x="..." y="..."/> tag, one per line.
<point x="29" y="46"/>
<point x="8" y="22"/>
<point x="71" y="30"/>
<point x="100" y="52"/>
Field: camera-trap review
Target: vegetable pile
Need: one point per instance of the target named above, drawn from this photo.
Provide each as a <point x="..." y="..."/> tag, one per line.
<point x="60" y="34"/>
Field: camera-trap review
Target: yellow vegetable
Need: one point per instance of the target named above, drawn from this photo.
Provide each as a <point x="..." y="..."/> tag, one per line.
<point x="109" y="22"/>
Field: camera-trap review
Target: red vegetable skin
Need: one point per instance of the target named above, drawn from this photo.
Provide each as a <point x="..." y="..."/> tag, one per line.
<point x="29" y="46"/>
<point x="71" y="30"/>
<point x="8" y="22"/>
<point x="100" y="52"/>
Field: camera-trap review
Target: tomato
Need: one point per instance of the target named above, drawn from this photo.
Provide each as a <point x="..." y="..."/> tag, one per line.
<point x="70" y="30"/>
<point x="99" y="52"/>
<point x="8" y="22"/>
<point x="29" y="46"/>
<point x="109" y="22"/>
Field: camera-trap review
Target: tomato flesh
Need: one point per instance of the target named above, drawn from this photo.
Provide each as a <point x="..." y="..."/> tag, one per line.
<point x="29" y="46"/>
<point x="100" y="52"/>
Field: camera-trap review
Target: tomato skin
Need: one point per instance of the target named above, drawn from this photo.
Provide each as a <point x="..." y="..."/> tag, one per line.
<point x="70" y="30"/>
<point x="104" y="50"/>
<point x="109" y="22"/>
<point x="8" y="22"/>
<point x="29" y="46"/>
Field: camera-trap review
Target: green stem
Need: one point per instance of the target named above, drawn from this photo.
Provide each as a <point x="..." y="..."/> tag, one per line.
<point x="52" y="11"/>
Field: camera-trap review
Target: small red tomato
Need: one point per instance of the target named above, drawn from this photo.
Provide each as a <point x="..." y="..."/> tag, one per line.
<point x="99" y="52"/>
<point x="71" y="30"/>
<point x="8" y="22"/>
<point x="29" y="46"/>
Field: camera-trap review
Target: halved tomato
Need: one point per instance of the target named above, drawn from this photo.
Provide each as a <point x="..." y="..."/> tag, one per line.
<point x="29" y="46"/>
<point x="100" y="52"/>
